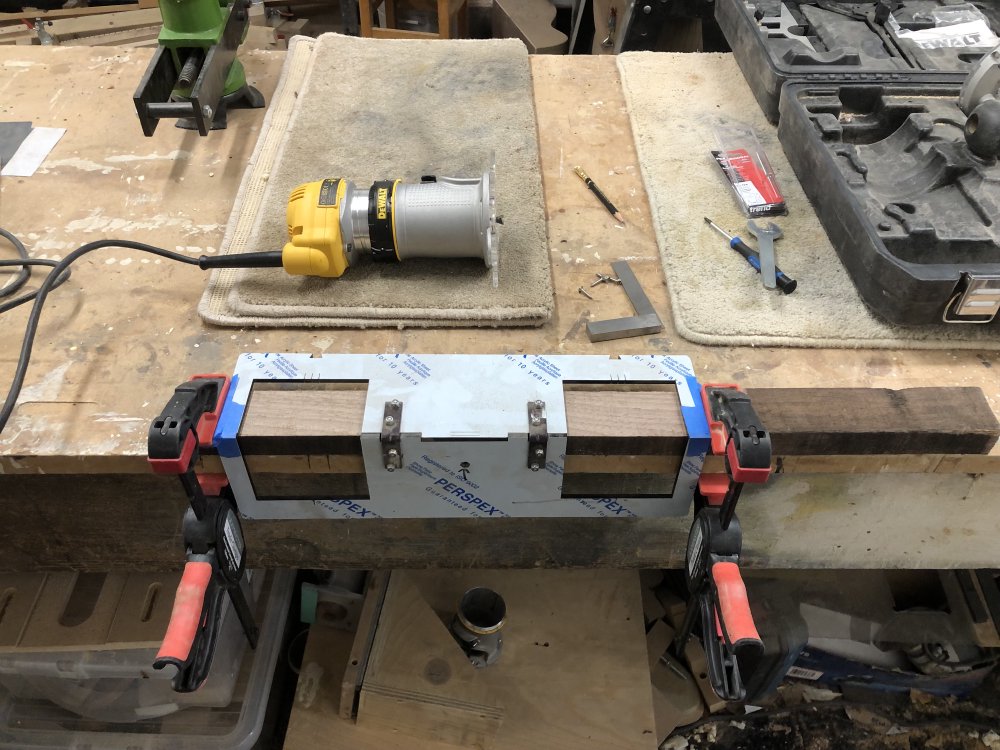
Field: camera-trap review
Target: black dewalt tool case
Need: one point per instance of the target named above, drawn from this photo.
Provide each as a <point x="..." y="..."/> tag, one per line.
<point x="899" y="163"/>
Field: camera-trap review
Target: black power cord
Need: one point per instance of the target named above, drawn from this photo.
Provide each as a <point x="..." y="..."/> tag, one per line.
<point x="60" y="272"/>
<point x="25" y="262"/>
<point x="24" y="274"/>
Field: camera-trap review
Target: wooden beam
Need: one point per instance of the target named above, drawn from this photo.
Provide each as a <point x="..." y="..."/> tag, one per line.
<point x="631" y="420"/>
<point x="380" y="33"/>
<point x="310" y="419"/>
<point x="802" y="421"/>
<point x="615" y="430"/>
<point x="845" y="430"/>
<point x="364" y="635"/>
<point x="33" y="13"/>
<point x="867" y="421"/>
<point x="71" y="28"/>
<point x="313" y="420"/>
<point x="128" y="38"/>
<point x="133" y="522"/>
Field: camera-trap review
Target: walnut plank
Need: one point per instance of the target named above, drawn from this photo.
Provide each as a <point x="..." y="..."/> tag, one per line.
<point x="865" y="421"/>
<point x="802" y="421"/>
<point x="624" y="422"/>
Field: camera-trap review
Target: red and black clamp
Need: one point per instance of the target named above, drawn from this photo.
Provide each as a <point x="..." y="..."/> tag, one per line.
<point x="739" y="436"/>
<point x="717" y="593"/>
<point x="213" y="537"/>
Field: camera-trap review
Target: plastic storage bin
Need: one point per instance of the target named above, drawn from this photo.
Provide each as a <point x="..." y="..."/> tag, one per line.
<point x="114" y="700"/>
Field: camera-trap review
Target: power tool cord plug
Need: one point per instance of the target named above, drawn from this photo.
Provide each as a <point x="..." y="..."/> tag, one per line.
<point x="266" y="259"/>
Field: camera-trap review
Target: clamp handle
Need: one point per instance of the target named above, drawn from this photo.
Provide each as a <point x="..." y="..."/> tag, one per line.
<point x="195" y="622"/>
<point x="193" y="630"/>
<point x="186" y="616"/>
<point x="733" y="647"/>
<point x="732" y="644"/>
<point x="735" y="620"/>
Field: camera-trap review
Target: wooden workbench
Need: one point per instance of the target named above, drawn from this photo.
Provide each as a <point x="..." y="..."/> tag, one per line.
<point x="118" y="337"/>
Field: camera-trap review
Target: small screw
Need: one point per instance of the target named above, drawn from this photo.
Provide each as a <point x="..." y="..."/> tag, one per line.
<point x="394" y="402"/>
<point x="207" y="111"/>
<point x="390" y="419"/>
<point x="536" y="421"/>
<point x="539" y="452"/>
<point x="393" y="452"/>
<point x="584" y="292"/>
<point x="539" y="404"/>
<point x="535" y="467"/>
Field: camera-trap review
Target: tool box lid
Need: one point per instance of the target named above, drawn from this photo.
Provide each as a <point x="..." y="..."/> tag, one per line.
<point x="775" y="42"/>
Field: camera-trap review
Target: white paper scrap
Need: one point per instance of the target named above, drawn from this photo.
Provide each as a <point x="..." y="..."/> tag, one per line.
<point x="32" y="152"/>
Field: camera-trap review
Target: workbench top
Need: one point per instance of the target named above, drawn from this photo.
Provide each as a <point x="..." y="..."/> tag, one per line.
<point x="124" y="331"/>
<point x="116" y="340"/>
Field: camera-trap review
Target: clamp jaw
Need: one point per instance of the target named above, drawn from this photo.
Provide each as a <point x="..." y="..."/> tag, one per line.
<point x="738" y="434"/>
<point x="213" y="538"/>
<point x="717" y="593"/>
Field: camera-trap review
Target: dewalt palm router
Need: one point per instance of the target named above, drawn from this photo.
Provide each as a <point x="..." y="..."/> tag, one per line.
<point x="332" y="224"/>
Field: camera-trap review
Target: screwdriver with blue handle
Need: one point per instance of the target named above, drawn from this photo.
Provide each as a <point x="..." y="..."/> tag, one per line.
<point x="785" y="283"/>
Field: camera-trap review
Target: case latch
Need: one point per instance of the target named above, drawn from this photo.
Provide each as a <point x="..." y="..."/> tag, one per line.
<point x="977" y="301"/>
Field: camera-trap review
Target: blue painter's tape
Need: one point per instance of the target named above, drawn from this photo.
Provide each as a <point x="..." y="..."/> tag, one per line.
<point x="229" y="423"/>
<point x="699" y="442"/>
<point x="695" y="419"/>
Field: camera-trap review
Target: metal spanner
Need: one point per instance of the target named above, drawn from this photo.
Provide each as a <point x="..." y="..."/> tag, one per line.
<point x="766" y="235"/>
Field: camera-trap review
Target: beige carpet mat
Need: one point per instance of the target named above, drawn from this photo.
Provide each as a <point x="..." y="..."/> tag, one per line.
<point x="674" y="100"/>
<point x="366" y="110"/>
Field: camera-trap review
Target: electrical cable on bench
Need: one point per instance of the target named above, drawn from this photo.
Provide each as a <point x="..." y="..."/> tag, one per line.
<point x="58" y="274"/>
